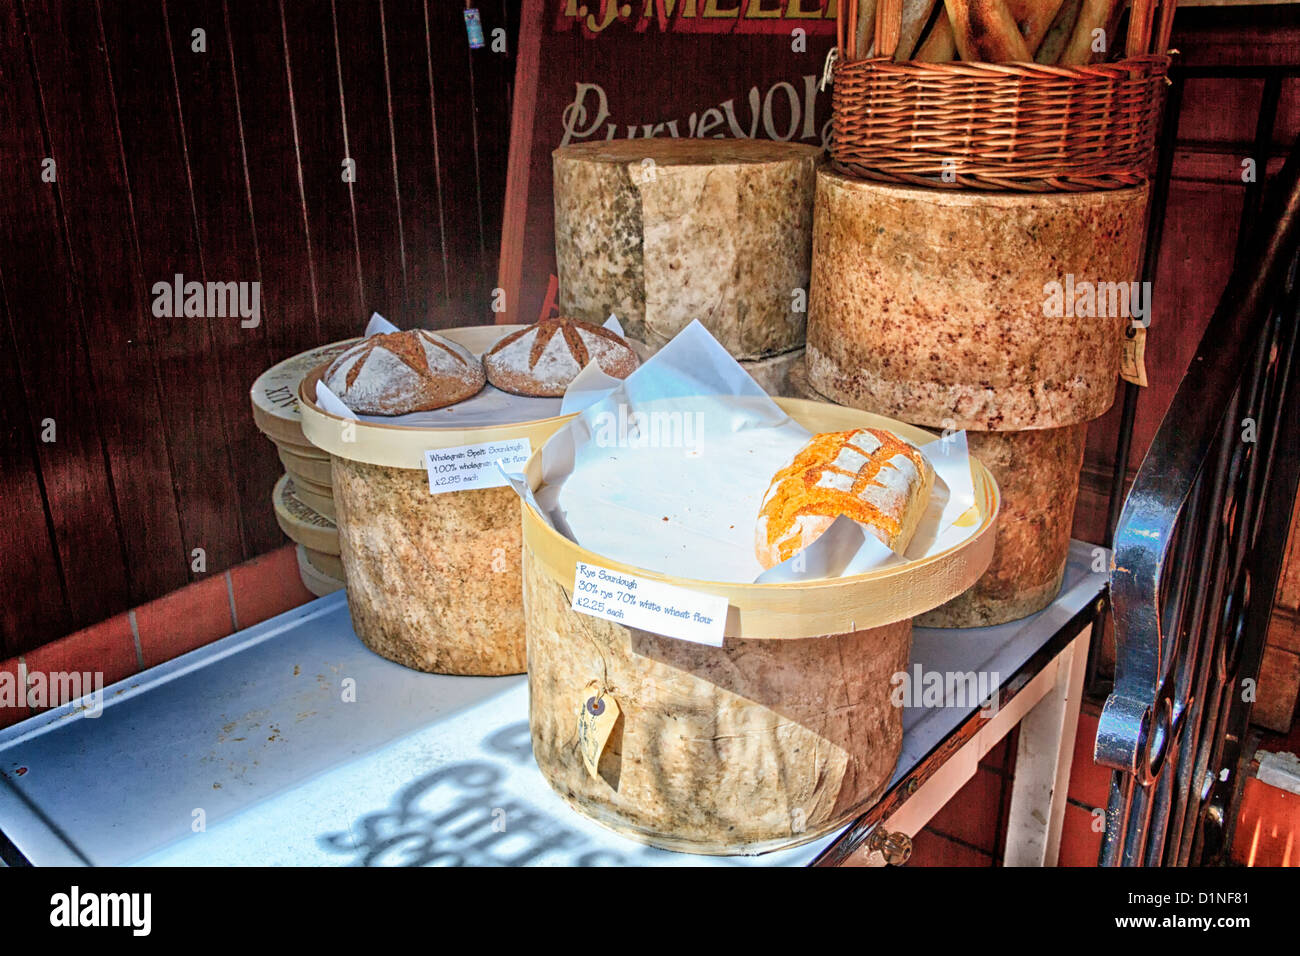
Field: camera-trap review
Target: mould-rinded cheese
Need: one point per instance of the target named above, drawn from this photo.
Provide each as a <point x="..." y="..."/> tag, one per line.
<point x="663" y="231"/>
<point x="948" y="309"/>
<point x="1038" y="477"/>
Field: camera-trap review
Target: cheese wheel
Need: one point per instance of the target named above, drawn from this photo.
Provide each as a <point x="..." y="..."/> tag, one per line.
<point x="871" y="475"/>
<point x="330" y="565"/>
<point x="313" y="467"/>
<point x="322" y="504"/>
<point x="663" y="231"/>
<point x="315" y="580"/>
<point x="1038" y="482"/>
<point x="931" y="305"/>
<point x="773" y="374"/>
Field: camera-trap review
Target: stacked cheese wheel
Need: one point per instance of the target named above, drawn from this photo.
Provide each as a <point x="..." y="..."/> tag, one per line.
<point x="303" y="498"/>
<point x="662" y="232"/>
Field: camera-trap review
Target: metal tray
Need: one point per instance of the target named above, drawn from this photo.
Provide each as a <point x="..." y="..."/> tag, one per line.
<point x="245" y="752"/>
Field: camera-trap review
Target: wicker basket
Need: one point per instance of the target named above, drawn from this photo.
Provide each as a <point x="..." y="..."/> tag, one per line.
<point x="1029" y="127"/>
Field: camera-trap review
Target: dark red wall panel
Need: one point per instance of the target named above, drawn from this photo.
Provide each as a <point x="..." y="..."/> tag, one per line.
<point x="219" y="159"/>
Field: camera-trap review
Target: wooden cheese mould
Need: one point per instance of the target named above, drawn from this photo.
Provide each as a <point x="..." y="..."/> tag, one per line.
<point x="781" y="735"/>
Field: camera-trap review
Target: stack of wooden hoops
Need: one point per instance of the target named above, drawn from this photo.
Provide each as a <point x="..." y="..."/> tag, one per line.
<point x="304" y="496"/>
<point x="961" y="194"/>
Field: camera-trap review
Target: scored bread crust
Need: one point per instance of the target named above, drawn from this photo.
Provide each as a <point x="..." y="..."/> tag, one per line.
<point x="394" y="373"/>
<point x="542" y="359"/>
<point x="879" y="480"/>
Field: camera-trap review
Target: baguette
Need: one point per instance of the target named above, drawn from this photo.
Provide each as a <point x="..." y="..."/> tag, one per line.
<point x="871" y="475"/>
<point x="916" y="14"/>
<point x="939" y="46"/>
<point x="1058" y="34"/>
<point x="1033" y="17"/>
<point x="865" y="37"/>
<point x="1093" y="15"/>
<point x="985" y="31"/>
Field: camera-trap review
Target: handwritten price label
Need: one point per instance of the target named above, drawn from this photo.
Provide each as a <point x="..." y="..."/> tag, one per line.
<point x="649" y="605"/>
<point x="474" y="466"/>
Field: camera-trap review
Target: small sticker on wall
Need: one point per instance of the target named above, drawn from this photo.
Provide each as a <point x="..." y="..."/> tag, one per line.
<point x="474" y="27"/>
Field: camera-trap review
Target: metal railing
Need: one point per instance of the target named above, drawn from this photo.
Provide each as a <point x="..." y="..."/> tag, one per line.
<point x="1197" y="554"/>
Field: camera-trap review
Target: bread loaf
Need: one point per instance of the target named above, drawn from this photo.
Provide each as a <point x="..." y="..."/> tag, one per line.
<point x="916" y="14"/>
<point x="1093" y="15"/>
<point x="985" y="31"/>
<point x="543" y="359"/>
<point x="866" y="30"/>
<point x="874" y="477"/>
<point x="394" y="373"/>
<point x="1058" y="34"/>
<point x="1033" y="17"/>
<point x="939" y="46"/>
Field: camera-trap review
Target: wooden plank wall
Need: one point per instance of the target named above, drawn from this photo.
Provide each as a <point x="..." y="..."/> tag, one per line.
<point x="127" y="441"/>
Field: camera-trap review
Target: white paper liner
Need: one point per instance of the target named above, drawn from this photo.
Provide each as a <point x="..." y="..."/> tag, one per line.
<point x="667" y="473"/>
<point x="491" y="406"/>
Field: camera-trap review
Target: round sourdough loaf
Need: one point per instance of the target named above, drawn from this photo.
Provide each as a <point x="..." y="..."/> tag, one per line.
<point x="543" y="359"/>
<point x="394" y="373"/>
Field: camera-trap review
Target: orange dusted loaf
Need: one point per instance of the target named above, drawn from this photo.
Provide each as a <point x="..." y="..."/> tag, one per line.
<point x="871" y="475"/>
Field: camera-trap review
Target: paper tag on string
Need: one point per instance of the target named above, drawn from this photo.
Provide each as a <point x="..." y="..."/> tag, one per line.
<point x="597" y="714"/>
<point x="1132" y="366"/>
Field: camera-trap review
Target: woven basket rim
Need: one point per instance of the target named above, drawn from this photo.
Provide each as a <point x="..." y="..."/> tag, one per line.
<point x="1018" y="127"/>
<point x="1011" y="198"/>
<point x="1151" y="63"/>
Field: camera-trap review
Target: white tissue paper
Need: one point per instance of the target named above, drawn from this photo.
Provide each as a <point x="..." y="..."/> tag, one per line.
<point x="378" y="324"/>
<point x="491" y="406"/>
<point x="667" y="473"/>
